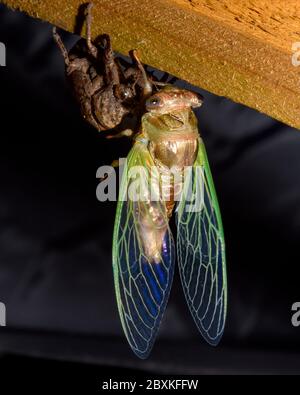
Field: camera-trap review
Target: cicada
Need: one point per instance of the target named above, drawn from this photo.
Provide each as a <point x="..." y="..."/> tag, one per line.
<point x="105" y="91"/>
<point x="144" y="251"/>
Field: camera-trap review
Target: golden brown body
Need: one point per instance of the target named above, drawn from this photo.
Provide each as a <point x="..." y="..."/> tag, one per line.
<point x="173" y="151"/>
<point x="172" y="134"/>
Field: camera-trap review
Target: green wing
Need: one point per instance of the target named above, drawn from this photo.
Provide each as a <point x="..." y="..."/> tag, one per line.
<point x="201" y="251"/>
<point x="142" y="283"/>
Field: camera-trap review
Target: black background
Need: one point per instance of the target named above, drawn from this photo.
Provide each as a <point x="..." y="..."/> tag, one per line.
<point x="55" y="237"/>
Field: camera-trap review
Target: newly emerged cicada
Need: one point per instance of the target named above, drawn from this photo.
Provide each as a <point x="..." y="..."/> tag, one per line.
<point x="143" y="245"/>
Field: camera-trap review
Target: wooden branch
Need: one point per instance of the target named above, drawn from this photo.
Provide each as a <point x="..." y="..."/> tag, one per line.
<point x="238" y="49"/>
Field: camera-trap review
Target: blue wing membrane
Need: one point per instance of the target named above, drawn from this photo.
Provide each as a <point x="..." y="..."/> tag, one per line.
<point x="142" y="286"/>
<point x="201" y="254"/>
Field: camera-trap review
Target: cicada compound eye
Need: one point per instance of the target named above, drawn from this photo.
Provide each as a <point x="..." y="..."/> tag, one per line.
<point x="153" y="103"/>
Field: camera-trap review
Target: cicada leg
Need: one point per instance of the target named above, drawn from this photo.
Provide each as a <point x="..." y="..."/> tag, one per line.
<point x="124" y="133"/>
<point x="115" y="163"/>
<point x="112" y="72"/>
<point x="91" y="47"/>
<point x="147" y="84"/>
<point x="61" y="46"/>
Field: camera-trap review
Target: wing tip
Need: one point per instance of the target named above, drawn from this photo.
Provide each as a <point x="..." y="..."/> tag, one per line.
<point x="213" y="342"/>
<point x="143" y="354"/>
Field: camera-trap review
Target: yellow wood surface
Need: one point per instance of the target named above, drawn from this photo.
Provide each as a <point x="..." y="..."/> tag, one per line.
<point x="241" y="49"/>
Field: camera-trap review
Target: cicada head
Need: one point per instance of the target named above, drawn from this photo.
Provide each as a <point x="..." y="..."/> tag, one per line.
<point x="171" y="98"/>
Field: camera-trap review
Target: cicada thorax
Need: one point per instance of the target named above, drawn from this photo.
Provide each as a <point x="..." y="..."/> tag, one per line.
<point x="173" y="143"/>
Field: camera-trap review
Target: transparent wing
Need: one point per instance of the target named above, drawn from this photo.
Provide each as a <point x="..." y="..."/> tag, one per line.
<point x="201" y="251"/>
<point x="143" y="257"/>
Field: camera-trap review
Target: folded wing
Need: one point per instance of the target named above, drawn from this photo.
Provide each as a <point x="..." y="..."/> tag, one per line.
<point x="201" y="251"/>
<point x="142" y="277"/>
